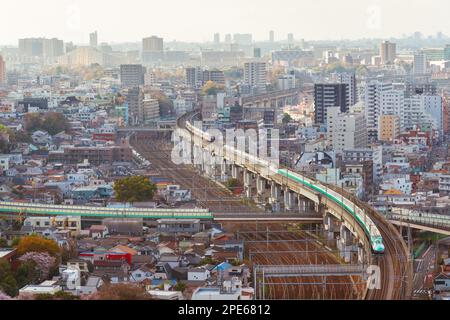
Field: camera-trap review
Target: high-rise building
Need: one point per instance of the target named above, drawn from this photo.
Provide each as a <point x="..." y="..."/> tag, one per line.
<point x="257" y="53"/>
<point x="132" y="75"/>
<point x="216" y="38"/>
<point x="2" y="71"/>
<point x="272" y="36"/>
<point x="134" y="99"/>
<point x="345" y="130"/>
<point x="197" y="78"/>
<point x="350" y="80"/>
<point x="389" y="127"/>
<point x="290" y="38"/>
<point x="152" y="49"/>
<point x="329" y="95"/>
<point x="243" y="38"/>
<point x="228" y="38"/>
<point x="41" y="47"/>
<point x="372" y="95"/>
<point x="93" y="39"/>
<point x="286" y="82"/>
<point x="194" y="77"/>
<point x="447" y="52"/>
<point x="152" y="43"/>
<point x="150" y="109"/>
<point x="388" y="52"/>
<point x="420" y="64"/>
<point x="255" y="75"/>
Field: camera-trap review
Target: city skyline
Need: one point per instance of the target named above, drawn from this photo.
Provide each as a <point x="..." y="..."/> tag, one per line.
<point x="74" y="20"/>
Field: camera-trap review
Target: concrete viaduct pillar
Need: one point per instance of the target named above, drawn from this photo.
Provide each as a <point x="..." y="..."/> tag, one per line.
<point x="289" y="200"/>
<point x="261" y="188"/>
<point x="248" y="183"/>
<point x="235" y="171"/>
<point x="275" y="192"/>
<point x="345" y="243"/>
<point x="329" y="226"/>
<point x="224" y="171"/>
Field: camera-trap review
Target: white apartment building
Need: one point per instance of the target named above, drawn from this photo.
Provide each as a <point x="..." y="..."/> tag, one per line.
<point x="150" y="109"/>
<point x="255" y="75"/>
<point x="346" y="130"/>
<point x="373" y="91"/>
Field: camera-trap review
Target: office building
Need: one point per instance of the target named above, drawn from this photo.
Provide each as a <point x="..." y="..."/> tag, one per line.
<point x="272" y="36"/>
<point x="216" y="38"/>
<point x="152" y="49"/>
<point x="420" y="64"/>
<point x="132" y="75"/>
<point x="388" y="52"/>
<point x="93" y="39"/>
<point x="257" y="53"/>
<point x="243" y="38"/>
<point x="41" y="47"/>
<point x="329" y="95"/>
<point x="290" y="38"/>
<point x="2" y="71"/>
<point x="255" y="75"/>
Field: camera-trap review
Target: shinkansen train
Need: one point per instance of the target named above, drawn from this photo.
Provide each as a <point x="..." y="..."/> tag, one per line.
<point x="371" y="230"/>
<point x="199" y="133"/>
<point x="369" y="227"/>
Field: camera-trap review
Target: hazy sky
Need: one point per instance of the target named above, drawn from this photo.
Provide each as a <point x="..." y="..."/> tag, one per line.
<point x="197" y="20"/>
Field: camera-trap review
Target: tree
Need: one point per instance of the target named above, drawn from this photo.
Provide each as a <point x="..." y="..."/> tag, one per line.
<point x="26" y="273"/>
<point x="286" y="118"/>
<point x="211" y="88"/>
<point x="8" y="283"/>
<point x="44" y="263"/>
<point x="180" y="286"/>
<point x="35" y="243"/>
<point x="134" y="189"/>
<point x="3" y="243"/>
<point x="52" y="122"/>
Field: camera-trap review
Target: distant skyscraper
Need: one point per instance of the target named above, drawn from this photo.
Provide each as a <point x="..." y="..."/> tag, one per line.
<point x="152" y="49"/>
<point x="41" y="47"/>
<point x="243" y="38"/>
<point x="255" y="75"/>
<point x="2" y="71"/>
<point x="228" y="38"/>
<point x="132" y="75"/>
<point x="93" y="39"/>
<point x="388" y="52"/>
<point x="290" y="38"/>
<point x="272" y="36"/>
<point x="420" y="64"/>
<point x="329" y="95"/>
<point x="216" y="38"/>
<point x="257" y="52"/>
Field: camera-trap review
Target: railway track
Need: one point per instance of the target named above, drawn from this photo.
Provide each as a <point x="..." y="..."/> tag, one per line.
<point x="294" y="252"/>
<point x="208" y="194"/>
